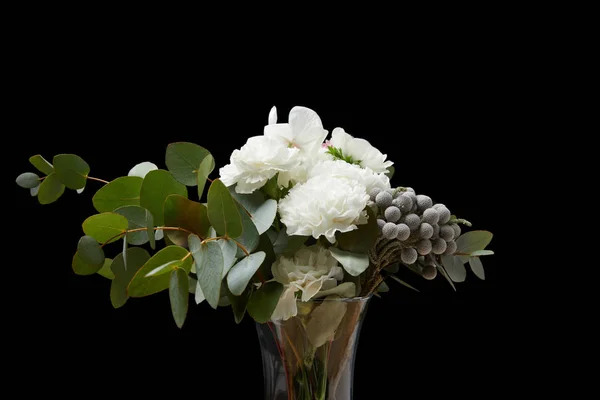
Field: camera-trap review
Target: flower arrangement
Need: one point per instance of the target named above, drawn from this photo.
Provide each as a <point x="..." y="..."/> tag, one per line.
<point x="294" y="217"/>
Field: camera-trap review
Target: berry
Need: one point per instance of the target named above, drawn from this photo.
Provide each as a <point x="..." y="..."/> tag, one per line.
<point x="413" y="221"/>
<point x="392" y="214"/>
<point x="389" y="230"/>
<point x="403" y="202"/>
<point x="425" y="231"/>
<point x="380" y="223"/>
<point x="408" y="255"/>
<point x="447" y="233"/>
<point x="403" y="232"/>
<point x="429" y="272"/>
<point x="424" y="247"/>
<point x="411" y="195"/>
<point x="424" y="202"/>
<point x="410" y="190"/>
<point x="436" y="231"/>
<point x="456" y="228"/>
<point x="431" y="216"/>
<point x="374" y="192"/>
<point x="450" y="248"/>
<point x="383" y="199"/>
<point x="438" y="246"/>
<point x="438" y="205"/>
<point x="444" y="214"/>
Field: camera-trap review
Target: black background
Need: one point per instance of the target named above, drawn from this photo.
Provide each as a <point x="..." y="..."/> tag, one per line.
<point x="445" y="125"/>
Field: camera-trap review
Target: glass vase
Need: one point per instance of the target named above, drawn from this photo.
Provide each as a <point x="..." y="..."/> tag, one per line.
<point x="311" y="356"/>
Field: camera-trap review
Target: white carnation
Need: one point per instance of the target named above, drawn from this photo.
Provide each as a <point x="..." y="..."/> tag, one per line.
<point x="310" y="270"/>
<point x="360" y="150"/>
<point x="323" y="205"/>
<point x="342" y="169"/>
<point x="257" y="162"/>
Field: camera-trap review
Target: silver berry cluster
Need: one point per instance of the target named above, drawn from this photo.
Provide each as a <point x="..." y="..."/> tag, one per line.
<point x="424" y="229"/>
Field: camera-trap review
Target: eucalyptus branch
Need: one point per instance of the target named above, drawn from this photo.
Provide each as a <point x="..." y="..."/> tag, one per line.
<point x="164" y="228"/>
<point x="97" y="179"/>
<point x="460" y="221"/>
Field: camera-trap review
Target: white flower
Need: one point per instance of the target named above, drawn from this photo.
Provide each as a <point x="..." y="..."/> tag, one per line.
<point x="323" y="205"/>
<point x="310" y="270"/>
<point x="257" y="162"/>
<point x="142" y="169"/>
<point x="342" y="169"/>
<point x="360" y="150"/>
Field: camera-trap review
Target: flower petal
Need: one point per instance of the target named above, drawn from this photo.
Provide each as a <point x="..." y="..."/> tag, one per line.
<point x="142" y="169"/>
<point x="307" y="129"/>
<point x="286" y="307"/>
<point x="273" y="116"/>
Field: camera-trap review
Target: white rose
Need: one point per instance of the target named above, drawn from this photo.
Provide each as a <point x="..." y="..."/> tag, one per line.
<point x="311" y="270"/>
<point x="257" y="162"/>
<point x="342" y="169"/>
<point x="323" y="205"/>
<point x="360" y="150"/>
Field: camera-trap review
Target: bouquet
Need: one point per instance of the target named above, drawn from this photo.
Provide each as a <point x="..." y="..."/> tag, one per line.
<point x="296" y="220"/>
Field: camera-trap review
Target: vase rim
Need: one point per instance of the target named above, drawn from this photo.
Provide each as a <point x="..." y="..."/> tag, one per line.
<point x="355" y="299"/>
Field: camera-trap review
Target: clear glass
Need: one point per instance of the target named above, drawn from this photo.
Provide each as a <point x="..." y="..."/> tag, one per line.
<point x="311" y="356"/>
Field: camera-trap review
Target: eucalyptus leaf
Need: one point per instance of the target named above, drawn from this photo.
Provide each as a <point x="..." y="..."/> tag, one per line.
<point x="165" y="268"/>
<point x="105" y="271"/>
<point x="187" y="214"/>
<point x="192" y="282"/>
<point x="400" y="281"/>
<point x="229" y="250"/>
<point x="106" y="226"/>
<point x="390" y="172"/>
<point x="156" y="187"/>
<point x="90" y="252"/>
<point x="250" y="201"/>
<point x="209" y="268"/>
<point x="34" y="191"/>
<point x="123" y="191"/>
<point x="223" y="212"/>
<point x="206" y="167"/>
<point x="50" y="190"/>
<point x="138" y="218"/>
<point x="82" y="268"/>
<point x="383" y="287"/>
<point x="263" y="301"/>
<point x="183" y="160"/>
<point x="71" y="170"/>
<point x="363" y="239"/>
<point x="479" y="253"/>
<point x="240" y="274"/>
<point x="239" y="303"/>
<point x="41" y="164"/>
<point x="264" y="245"/>
<point x="272" y="189"/>
<point x="354" y="263"/>
<point x="392" y="268"/>
<point x="443" y="272"/>
<point x="288" y="244"/>
<point x="178" y="295"/>
<point x="28" y="180"/>
<point x="472" y="241"/>
<point x="142" y="285"/>
<point x="477" y="267"/>
<point x="250" y="237"/>
<point x="324" y="321"/>
<point x="136" y="258"/>
<point x="455" y="268"/>
<point x="199" y="295"/>
<point x="264" y="216"/>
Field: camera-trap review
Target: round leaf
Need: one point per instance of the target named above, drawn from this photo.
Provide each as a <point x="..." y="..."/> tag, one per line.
<point x="72" y="170"/>
<point x="455" y="268"/>
<point x="137" y="218"/>
<point x="264" y="215"/>
<point x="473" y="241"/>
<point x="105" y="271"/>
<point x="262" y="303"/>
<point x="477" y="267"/>
<point x="240" y="274"/>
<point x="206" y="167"/>
<point x="354" y="263"/>
<point x="136" y="258"/>
<point x="41" y="164"/>
<point x="50" y="189"/>
<point x="34" y="191"/>
<point x="163" y="269"/>
<point x="81" y="268"/>
<point x="28" y="180"/>
<point x="360" y="240"/>
<point x="183" y="160"/>
<point x="187" y="214"/>
<point x="179" y="296"/>
<point x="123" y="191"/>
<point x="229" y="250"/>
<point x="141" y="285"/>
<point x="223" y="211"/>
<point x="156" y="187"/>
<point x="104" y="227"/>
<point x="90" y="252"/>
<point x="250" y="237"/>
<point x="239" y="304"/>
<point x="209" y="268"/>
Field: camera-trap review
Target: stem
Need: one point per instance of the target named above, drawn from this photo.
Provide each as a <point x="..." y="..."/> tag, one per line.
<point x="282" y="355"/>
<point x="241" y="247"/>
<point x="164" y="228"/>
<point x="97" y="179"/>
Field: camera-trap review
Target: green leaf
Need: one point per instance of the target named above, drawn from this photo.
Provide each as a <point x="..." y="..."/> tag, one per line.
<point x="354" y="263"/>
<point x="383" y="287"/>
<point x="261" y="211"/>
<point x="187" y="214"/>
<point x="455" y="268"/>
<point x="106" y="226"/>
<point x="443" y="272"/>
<point x="179" y="296"/>
<point x="360" y="240"/>
<point x="163" y="269"/>
<point x="477" y="267"/>
<point x="81" y="268"/>
<point x="50" y="189"/>
<point x="479" y="253"/>
<point x="28" y="180"/>
<point x="157" y="186"/>
<point x="71" y="170"/>
<point x="41" y="164"/>
<point x="263" y="301"/>
<point x="240" y="274"/>
<point x="223" y="212"/>
<point x="137" y="218"/>
<point x="34" y="191"/>
<point x="198" y="295"/>
<point x="265" y="246"/>
<point x="393" y="268"/>
<point x="192" y="282"/>
<point x="473" y="241"/>
<point x="390" y="172"/>
<point x="288" y="244"/>
<point x="105" y="271"/>
<point x="346" y="289"/>
<point x="271" y="188"/>
<point x="136" y="258"/>
<point x="206" y="167"/>
<point x="209" y="268"/>
<point x="250" y="201"/>
<point x="239" y="303"/>
<point x="183" y="160"/>
<point x="400" y="281"/>
<point x="123" y="191"/>
<point x="229" y="250"/>
<point x="90" y="252"/>
<point x="250" y="237"/>
<point x="142" y="285"/>
<point x="324" y="321"/>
